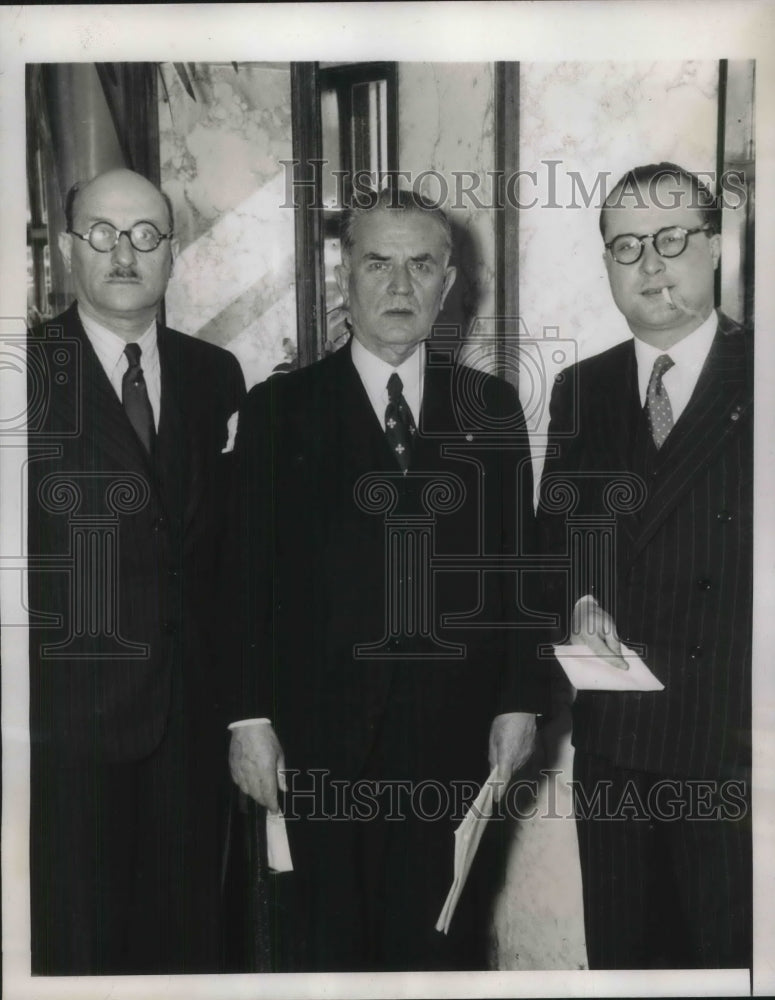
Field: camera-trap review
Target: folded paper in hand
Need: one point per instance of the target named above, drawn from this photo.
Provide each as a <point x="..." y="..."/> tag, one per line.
<point x="278" y="852"/>
<point x="467" y="837"/>
<point x="589" y="672"/>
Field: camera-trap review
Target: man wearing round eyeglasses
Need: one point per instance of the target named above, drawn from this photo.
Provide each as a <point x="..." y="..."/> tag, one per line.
<point x="127" y="501"/>
<point x="662" y="777"/>
<point x="119" y="280"/>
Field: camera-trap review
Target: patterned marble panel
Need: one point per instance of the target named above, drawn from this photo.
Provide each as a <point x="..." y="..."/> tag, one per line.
<point x="233" y="281"/>
<point x="446" y="145"/>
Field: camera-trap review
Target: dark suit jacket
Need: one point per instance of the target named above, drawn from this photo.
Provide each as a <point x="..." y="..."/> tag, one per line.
<point x="156" y="525"/>
<point x="315" y="569"/>
<point x="683" y="578"/>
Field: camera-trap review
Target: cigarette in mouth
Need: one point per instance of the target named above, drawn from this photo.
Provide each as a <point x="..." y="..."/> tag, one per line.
<point x="666" y="297"/>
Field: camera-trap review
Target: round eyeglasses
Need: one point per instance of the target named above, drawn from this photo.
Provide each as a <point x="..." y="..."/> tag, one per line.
<point x="668" y="242"/>
<point x="103" y="237"/>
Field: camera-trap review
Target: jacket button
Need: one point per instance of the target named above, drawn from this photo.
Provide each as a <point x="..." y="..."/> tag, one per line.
<point x="724" y="516"/>
<point x="704" y="584"/>
<point x="695" y="652"/>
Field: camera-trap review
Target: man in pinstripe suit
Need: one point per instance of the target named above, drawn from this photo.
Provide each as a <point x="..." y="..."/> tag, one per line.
<point x="127" y="472"/>
<point x="661" y="778"/>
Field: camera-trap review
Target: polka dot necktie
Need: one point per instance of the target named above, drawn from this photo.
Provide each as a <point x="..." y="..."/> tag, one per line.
<point x="399" y="423"/>
<point x="658" y="408"/>
<point x="134" y="396"/>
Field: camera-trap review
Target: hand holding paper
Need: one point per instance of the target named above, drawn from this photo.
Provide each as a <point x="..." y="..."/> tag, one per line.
<point x="592" y="626"/>
<point x="257" y="763"/>
<point x="512" y="740"/>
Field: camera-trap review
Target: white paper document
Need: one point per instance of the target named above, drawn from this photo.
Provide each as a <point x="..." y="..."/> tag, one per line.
<point x="588" y="672"/>
<point x="467" y="837"/>
<point x="278" y="851"/>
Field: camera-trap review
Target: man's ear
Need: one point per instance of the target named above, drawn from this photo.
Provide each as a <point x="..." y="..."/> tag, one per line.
<point x="449" y="281"/>
<point x="65" y="243"/>
<point x="715" y="249"/>
<point x="342" y="275"/>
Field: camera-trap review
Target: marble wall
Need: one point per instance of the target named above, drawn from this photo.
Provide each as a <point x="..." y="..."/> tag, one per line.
<point x="233" y="282"/>
<point x="446" y="143"/>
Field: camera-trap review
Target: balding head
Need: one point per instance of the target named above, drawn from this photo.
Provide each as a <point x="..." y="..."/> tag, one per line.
<point x="121" y="288"/>
<point x="110" y="177"/>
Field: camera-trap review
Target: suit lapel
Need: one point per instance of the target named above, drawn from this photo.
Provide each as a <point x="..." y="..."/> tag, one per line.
<point x="179" y="457"/>
<point x="90" y="399"/>
<point x="437" y="417"/>
<point x="609" y="424"/>
<point x="353" y="420"/>
<point x="719" y="407"/>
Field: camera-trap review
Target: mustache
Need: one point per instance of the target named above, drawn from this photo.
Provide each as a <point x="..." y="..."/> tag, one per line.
<point x="122" y="272"/>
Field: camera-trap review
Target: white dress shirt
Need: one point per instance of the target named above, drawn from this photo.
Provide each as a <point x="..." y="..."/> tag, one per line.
<point x="109" y="348"/>
<point x="374" y="373"/>
<point x="688" y="355"/>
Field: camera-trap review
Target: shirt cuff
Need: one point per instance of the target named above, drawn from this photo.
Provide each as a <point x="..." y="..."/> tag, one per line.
<point x="586" y="597"/>
<point x="240" y="723"/>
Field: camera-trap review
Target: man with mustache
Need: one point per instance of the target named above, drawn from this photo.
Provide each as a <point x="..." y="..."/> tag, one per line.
<point x="387" y="691"/>
<point x="128" y="422"/>
<point x="662" y="778"/>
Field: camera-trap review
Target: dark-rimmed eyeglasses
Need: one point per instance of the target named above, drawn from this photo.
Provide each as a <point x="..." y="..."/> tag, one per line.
<point x="103" y="236"/>
<point x="668" y="242"/>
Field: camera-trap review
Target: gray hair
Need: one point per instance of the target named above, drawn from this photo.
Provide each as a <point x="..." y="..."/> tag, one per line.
<point x="390" y="199"/>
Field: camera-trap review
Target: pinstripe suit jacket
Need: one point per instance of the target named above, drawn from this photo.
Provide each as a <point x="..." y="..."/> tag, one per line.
<point x="106" y="688"/>
<point x="682" y="587"/>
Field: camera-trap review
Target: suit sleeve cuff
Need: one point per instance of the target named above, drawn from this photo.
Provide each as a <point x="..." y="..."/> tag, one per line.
<point x="241" y="723"/>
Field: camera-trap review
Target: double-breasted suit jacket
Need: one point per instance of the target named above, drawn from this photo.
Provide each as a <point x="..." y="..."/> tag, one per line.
<point x="682" y="586"/>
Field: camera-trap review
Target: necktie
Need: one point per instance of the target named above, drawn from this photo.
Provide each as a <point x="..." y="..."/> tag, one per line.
<point x="399" y="424"/>
<point x="134" y="395"/>
<point x="658" y="408"/>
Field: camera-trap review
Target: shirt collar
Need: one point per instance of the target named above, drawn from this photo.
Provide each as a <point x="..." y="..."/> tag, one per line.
<point x="109" y="347"/>
<point x="687" y="355"/>
<point x="375" y="372"/>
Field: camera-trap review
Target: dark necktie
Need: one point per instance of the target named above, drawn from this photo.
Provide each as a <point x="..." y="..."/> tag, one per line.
<point x="658" y="408"/>
<point x="399" y="424"/>
<point x="134" y="395"/>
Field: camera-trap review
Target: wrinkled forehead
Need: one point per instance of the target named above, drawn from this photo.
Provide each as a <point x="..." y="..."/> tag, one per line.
<point x="122" y="203"/>
<point x="646" y="208"/>
<point x="399" y="229"/>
